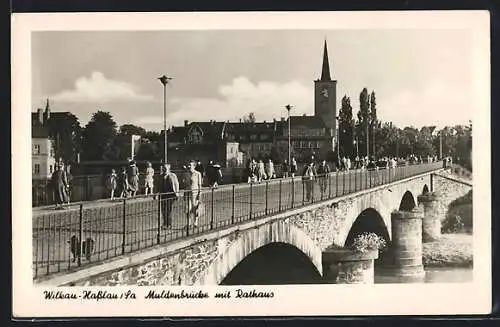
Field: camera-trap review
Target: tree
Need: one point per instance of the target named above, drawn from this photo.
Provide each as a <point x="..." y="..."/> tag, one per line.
<point x="65" y="132"/>
<point x="123" y="140"/>
<point x="373" y="120"/>
<point x="148" y="151"/>
<point x="250" y="118"/>
<point x="98" y="138"/>
<point x="346" y="128"/>
<point x="129" y="129"/>
<point x="363" y="122"/>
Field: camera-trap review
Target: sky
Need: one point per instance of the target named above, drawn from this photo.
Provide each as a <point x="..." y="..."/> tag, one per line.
<point x="421" y="77"/>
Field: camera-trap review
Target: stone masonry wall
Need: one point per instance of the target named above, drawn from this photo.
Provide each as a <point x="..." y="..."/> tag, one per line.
<point x="183" y="267"/>
<point x="449" y="190"/>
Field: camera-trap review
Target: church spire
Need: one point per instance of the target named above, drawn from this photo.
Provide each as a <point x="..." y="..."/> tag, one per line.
<point x="325" y="71"/>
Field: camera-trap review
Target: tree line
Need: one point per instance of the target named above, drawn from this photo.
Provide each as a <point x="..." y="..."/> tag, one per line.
<point x="102" y="139"/>
<point x="369" y="136"/>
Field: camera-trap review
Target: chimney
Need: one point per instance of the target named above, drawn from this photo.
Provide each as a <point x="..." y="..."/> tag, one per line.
<point x="303" y="115"/>
<point x="186" y="123"/>
<point x="282" y="119"/>
<point x="240" y="120"/>
<point x="40" y="116"/>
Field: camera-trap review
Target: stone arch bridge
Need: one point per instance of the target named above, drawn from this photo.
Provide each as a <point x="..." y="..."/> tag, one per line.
<point x="314" y="236"/>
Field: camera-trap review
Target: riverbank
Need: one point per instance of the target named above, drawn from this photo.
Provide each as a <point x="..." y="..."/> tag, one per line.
<point x="451" y="250"/>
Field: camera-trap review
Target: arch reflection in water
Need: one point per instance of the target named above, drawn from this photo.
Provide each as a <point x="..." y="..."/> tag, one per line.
<point x="274" y="264"/>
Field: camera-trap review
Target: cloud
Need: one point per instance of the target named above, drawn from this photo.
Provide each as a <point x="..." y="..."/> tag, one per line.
<point x="437" y="103"/>
<point x="98" y="88"/>
<point x="266" y="99"/>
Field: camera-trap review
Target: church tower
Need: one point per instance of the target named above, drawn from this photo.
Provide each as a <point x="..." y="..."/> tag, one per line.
<point x="325" y="95"/>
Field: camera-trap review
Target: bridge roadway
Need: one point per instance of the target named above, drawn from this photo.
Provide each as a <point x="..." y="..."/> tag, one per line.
<point x="127" y="225"/>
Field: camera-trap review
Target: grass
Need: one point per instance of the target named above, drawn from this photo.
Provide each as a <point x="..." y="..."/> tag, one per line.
<point x="451" y="250"/>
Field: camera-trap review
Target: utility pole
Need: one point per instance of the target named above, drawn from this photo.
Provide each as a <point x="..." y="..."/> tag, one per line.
<point x="165" y="80"/>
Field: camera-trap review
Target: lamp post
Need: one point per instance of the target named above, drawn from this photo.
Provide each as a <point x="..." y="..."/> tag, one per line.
<point x="165" y="80"/>
<point x="288" y="108"/>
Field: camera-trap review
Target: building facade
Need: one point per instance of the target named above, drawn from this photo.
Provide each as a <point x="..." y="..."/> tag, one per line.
<point x="233" y="143"/>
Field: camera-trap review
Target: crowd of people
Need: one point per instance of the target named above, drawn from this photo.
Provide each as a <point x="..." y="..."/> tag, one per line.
<point x="167" y="185"/>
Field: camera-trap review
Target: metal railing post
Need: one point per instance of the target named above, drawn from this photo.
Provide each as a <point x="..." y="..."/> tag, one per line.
<point x="124" y="223"/>
<point x="279" y="201"/>
<point x="212" y="217"/>
<point x="251" y="201"/>
<point x="80" y="235"/>
<point x="266" y="190"/>
<point x="186" y="201"/>
<point x="159" y="219"/>
<point x="293" y="191"/>
<point x="232" y="206"/>
<point x="329" y="185"/>
<point x="337" y="183"/>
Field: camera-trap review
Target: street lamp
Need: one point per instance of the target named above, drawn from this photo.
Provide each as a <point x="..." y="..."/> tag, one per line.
<point x="165" y="80"/>
<point x="288" y="108"/>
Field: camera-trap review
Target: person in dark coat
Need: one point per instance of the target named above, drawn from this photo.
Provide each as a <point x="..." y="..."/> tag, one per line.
<point x="60" y="184"/>
<point x="169" y="192"/>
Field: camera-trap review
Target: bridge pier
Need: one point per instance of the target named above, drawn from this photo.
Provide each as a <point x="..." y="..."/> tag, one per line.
<point x="407" y="243"/>
<point x="431" y="224"/>
<point x="344" y="266"/>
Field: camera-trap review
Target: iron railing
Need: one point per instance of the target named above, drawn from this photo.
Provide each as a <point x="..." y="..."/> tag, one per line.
<point x="88" y="232"/>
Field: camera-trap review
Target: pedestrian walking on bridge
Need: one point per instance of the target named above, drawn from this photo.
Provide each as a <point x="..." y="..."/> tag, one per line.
<point x="308" y="177"/>
<point x="323" y="175"/>
<point x="192" y="194"/>
<point x="169" y="192"/>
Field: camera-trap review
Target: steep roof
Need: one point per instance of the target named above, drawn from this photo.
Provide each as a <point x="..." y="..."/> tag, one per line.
<point x="307" y="121"/>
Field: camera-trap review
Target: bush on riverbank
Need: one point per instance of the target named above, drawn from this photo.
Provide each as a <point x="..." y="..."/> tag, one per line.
<point x="451" y="250"/>
<point x="459" y="215"/>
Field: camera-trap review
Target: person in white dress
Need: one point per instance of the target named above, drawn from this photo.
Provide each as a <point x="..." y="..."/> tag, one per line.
<point x="149" y="180"/>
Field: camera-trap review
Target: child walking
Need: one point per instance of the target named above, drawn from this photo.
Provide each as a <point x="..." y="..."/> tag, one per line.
<point x="149" y="181"/>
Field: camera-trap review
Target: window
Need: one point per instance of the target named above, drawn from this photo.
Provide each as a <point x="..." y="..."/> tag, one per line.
<point x="52" y="153"/>
<point x="264" y="137"/>
<point x="242" y="137"/>
<point x="37" y="169"/>
<point x="50" y="169"/>
<point x="36" y="149"/>
<point x="253" y="137"/>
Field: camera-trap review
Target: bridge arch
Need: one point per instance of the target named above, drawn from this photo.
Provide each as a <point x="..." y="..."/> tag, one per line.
<point x="368" y="221"/>
<point x="275" y="235"/>
<point x="407" y="202"/>
<point x="425" y="190"/>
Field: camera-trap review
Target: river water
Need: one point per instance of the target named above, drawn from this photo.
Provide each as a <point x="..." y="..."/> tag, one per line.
<point x="432" y="275"/>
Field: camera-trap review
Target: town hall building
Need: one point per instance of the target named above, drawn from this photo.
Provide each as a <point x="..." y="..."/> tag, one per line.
<point x="233" y="143"/>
